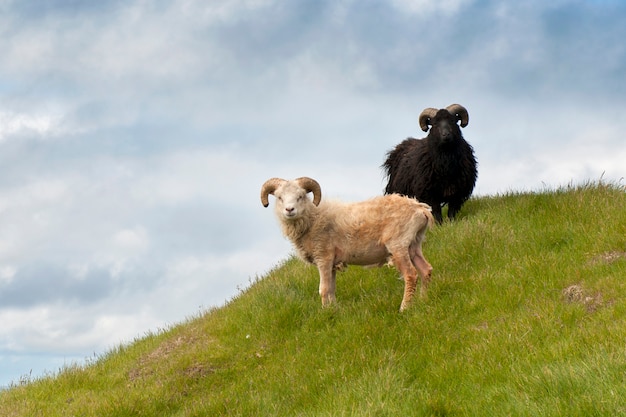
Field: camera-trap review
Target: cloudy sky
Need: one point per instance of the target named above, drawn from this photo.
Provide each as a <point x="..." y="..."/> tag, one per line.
<point x="135" y="136"/>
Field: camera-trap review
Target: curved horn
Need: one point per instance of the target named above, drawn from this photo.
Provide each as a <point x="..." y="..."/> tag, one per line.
<point x="268" y="188"/>
<point x="460" y="112"/>
<point x="311" y="186"/>
<point x="427" y="114"/>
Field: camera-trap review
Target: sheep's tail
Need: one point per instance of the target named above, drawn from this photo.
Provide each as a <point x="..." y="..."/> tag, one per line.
<point x="429" y="215"/>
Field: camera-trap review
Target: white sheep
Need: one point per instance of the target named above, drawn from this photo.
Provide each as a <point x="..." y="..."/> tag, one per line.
<point x="332" y="234"/>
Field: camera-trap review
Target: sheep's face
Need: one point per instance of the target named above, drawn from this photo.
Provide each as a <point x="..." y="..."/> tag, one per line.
<point x="445" y="128"/>
<point x="291" y="201"/>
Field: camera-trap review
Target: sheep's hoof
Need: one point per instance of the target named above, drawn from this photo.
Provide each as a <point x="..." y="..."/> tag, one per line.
<point x="328" y="300"/>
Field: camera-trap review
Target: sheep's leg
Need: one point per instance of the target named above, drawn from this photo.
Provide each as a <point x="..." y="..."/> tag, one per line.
<point x="404" y="265"/>
<point x="436" y="210"/>
<point x="453" y="209"/>
<point x="423" y="268"/>
<point x="327" y="284"/>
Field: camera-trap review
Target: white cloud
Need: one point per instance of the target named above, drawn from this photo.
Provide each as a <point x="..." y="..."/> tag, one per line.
<point x="57" y="329"/>
<point x="222" y="10"/>
<point x="7" y="273"/>
<point x="133" y="240"/>
<point x="20" y="124"/>
<point x="426" y="7"/>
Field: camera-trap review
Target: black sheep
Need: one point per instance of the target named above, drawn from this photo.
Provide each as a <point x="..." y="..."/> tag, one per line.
<point x="438" y="169"/>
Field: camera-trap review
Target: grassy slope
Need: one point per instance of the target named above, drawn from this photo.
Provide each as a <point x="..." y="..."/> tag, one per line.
<point x="526" y="316"/>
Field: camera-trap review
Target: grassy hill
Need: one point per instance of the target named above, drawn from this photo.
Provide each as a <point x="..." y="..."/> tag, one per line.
<point x="526" y="316"/>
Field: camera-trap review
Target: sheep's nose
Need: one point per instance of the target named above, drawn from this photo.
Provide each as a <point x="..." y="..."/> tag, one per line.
<point x="289" y="209"/>
<point x="446" y="136"/>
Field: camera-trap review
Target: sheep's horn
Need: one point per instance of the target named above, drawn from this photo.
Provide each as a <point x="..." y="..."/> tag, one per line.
<point x="460" y="112"/>
<point x="268" y="188"/>
<point x="311" y="186"/>
<point x="425" y="117"/>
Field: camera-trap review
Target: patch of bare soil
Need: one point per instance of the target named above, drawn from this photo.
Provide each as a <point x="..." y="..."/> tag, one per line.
<point x="159" y="354"/>
<point x="576" y="294"/>
<point x="608" y="257"/>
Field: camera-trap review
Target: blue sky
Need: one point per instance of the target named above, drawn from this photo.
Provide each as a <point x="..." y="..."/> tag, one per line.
<point x="135" y="136"/>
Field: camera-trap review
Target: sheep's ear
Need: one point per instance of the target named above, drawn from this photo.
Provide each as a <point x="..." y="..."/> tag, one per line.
<point x="268" y="188"/>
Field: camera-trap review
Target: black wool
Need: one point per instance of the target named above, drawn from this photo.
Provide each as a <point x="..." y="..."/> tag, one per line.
<point x="438" y="169"/>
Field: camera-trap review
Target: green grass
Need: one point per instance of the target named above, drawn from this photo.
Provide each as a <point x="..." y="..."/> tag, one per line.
<point x="526" y="316"/>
